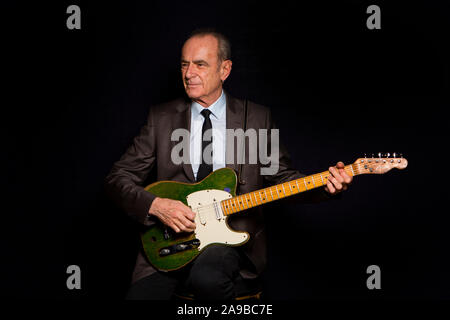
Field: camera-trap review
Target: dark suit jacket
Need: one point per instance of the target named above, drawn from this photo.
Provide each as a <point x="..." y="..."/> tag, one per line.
<point x="151" y="150"/>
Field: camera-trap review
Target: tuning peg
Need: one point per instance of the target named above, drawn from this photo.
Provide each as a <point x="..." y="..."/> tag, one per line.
<point x="388" y="155"/>
<point x="379" y="155"/>
<point x="394" y="155"/>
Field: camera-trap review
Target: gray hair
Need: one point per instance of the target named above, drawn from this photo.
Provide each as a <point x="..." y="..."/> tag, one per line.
<point x="224" y="44"/>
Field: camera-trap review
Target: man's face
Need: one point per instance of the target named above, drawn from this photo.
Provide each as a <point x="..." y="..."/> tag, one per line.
<point x="201" y="69"/>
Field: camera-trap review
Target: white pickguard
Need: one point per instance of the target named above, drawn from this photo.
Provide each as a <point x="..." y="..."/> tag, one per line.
<point x="211" y="226"/>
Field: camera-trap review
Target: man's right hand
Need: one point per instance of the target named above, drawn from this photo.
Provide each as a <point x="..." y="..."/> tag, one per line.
<point x="174" y="214"/>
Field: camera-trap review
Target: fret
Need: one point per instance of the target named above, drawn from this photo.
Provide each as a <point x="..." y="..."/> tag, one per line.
<point x="286" y="190"/>
<point x="247" y="201"/>
<point x="254" y="203"/>
<point x="322" y="179"/>
<point x="351" y="167"/>
<point x="282" y="185"/>
<point x="296" y="182"/>
<point x="224" y="210"/>
<point x="294" y="190"/>
<point x="278" y="192"/>
<point x="260" y="196"/>
<point x="229" y="208"/>
<point x="265" y="194"/>
<point x="260" y="200"/>
<point x="239" y="203"/>
<point x="289" y="184"/>
<point x="251" y="202"/>
<point x="304" y="181"/>
<point x="236" y="205"/>
<point x="232" y="206"/>
<point x="254" y="196"/>
<point x="225" y="207"/>
<point x="244" y="203"/>
<point x="312" y="178"/>
<point x="271" y="193"/>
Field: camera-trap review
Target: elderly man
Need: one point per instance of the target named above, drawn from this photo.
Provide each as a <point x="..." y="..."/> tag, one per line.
<point x="205" y="65"/>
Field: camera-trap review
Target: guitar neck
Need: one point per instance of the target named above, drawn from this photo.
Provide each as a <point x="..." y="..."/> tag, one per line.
<point x="281" y="191"/>
<point x="365" y="165"/>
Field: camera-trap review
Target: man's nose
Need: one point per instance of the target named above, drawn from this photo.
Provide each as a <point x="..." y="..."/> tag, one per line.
<point x="190" y="71"/>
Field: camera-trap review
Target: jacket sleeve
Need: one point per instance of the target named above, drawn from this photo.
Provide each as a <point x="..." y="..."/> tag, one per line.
<point x="124" y="183"/>
<point x="287" y="173"/>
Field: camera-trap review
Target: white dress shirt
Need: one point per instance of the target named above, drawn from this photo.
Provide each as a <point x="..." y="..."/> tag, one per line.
<point x="218" y="121"/>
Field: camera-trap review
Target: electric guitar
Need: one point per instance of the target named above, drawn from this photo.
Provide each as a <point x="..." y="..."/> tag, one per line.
<point x="214" y="199"/>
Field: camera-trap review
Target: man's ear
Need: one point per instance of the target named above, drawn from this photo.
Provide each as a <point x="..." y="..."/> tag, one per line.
<point x="225" y="69"/>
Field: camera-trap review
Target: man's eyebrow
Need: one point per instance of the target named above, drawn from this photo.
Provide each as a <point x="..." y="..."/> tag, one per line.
<point x="195" y="61"/>
<point x="200" y="61"/>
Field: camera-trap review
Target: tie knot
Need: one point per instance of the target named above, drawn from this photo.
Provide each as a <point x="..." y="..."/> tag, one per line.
<point x="206" y="113"/>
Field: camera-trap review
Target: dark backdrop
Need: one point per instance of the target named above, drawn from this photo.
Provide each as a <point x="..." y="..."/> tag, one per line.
<point x="74" y="99"/>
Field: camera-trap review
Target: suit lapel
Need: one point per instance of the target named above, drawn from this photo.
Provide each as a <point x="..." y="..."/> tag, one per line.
<point x="235" y="119"/>
<point x="184" y="121"/>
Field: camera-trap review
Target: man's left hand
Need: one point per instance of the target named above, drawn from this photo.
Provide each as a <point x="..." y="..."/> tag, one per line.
<point x="339" y="180"/>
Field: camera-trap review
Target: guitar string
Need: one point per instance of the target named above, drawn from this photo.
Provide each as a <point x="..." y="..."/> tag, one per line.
<point x="207" y="207"/>
<point x="313" y="177"/>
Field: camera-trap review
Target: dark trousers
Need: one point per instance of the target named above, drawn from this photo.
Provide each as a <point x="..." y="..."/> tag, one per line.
<point x="211" y="276"/>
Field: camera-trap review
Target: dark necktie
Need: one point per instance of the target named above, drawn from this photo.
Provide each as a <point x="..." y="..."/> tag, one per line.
<point x="205" y="168"/>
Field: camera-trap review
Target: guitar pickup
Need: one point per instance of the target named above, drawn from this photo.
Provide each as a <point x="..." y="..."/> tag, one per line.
<point x="179" y="247"/>
<point x="201" y="217"/>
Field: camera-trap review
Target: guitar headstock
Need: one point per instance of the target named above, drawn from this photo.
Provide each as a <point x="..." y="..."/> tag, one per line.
<point x="381" y="164"/>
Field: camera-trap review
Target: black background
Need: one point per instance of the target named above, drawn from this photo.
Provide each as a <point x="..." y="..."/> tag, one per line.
<point x="72" y="100"/>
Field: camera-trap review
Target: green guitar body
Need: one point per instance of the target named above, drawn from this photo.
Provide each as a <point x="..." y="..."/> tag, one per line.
<point x="157" y="236"/>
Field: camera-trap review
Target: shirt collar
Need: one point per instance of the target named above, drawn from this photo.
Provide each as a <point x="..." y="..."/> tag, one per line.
<point x="217" y="108"/>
